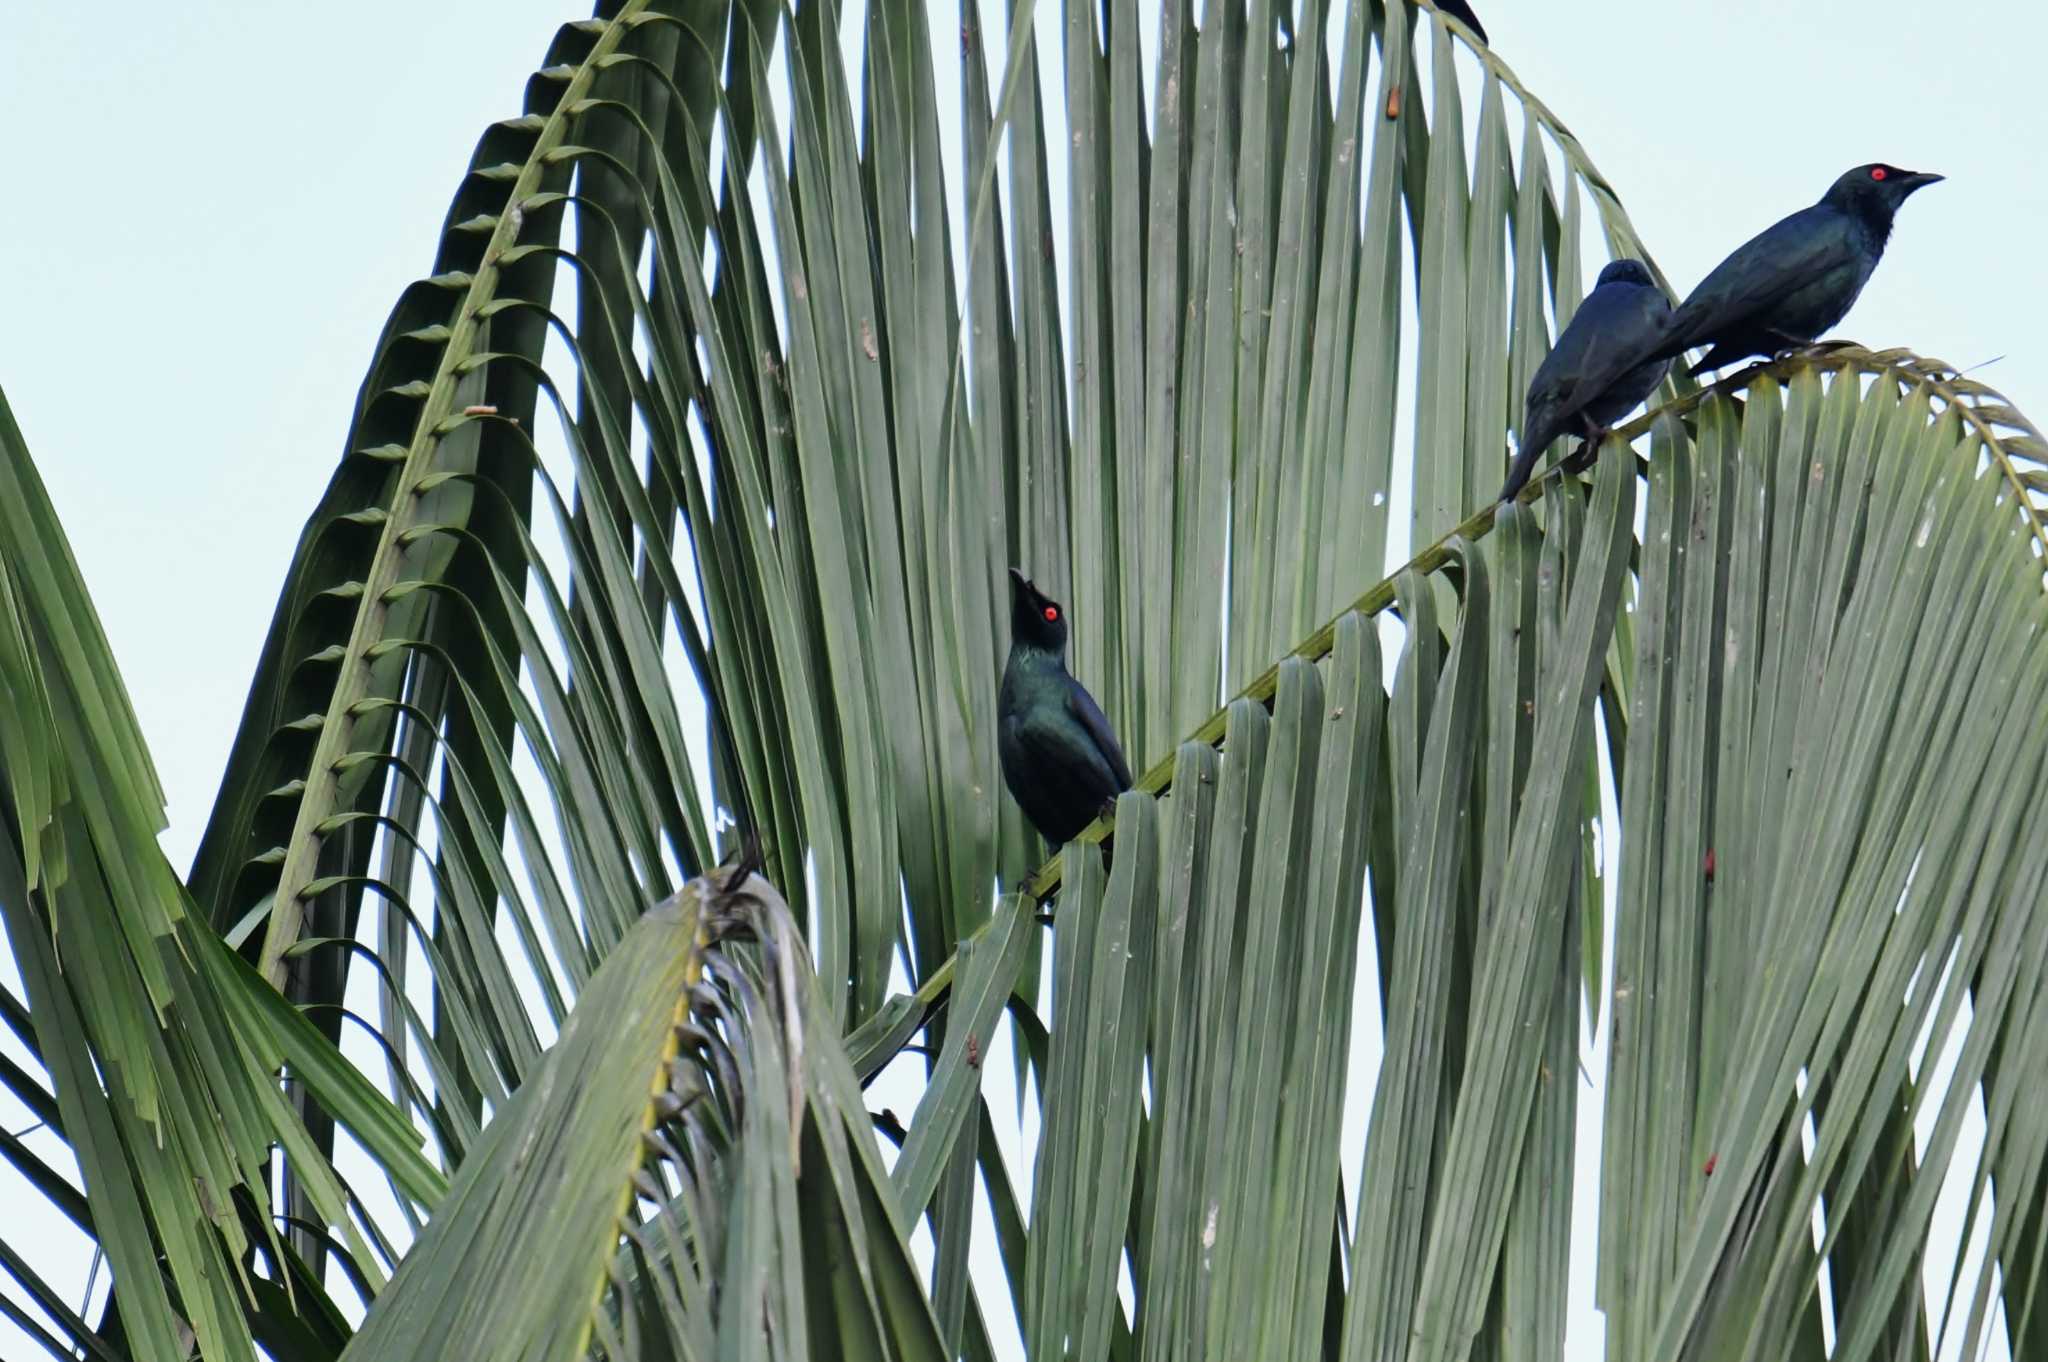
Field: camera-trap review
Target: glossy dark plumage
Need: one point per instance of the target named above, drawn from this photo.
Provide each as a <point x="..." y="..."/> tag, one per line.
<point x="1625" y="314"/>
<point x="1060" y="760"/>
<point x="1785" y="286"/>
<point x="1780" y="289"/>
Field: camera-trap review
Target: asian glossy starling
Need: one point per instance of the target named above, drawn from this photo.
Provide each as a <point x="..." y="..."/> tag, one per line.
<point x="1796" y="278"/>
<point x="1624" y="314"/>
<point x="1060" y="760"/>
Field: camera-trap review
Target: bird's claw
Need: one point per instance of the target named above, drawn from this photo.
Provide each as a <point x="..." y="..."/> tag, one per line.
<point x="1794" y="348"/>
<point x="1581" y="459"/>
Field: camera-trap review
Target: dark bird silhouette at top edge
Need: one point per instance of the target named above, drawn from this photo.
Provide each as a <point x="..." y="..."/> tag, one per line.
<point x="1624" y="315"/>
<point x="1060" y="760"/>
<point x="1796" y="278"/>
<point x="1462" y="12"/>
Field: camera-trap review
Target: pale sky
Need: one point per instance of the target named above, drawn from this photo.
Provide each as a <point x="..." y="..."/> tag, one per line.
<point x="215" y="205"/>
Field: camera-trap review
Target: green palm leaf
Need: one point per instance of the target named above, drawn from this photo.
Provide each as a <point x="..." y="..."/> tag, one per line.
<point x="157" y="1049"/>
<point x="729" y="1167"/>
<point x="682" y="490"/>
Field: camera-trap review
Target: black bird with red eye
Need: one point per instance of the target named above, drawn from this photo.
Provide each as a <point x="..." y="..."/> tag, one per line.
<point x="1060" y="760"/>
<point x="1796" y="278"/>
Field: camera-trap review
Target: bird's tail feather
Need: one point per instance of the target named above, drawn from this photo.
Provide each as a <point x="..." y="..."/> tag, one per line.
<point x="1540" y="435"/>
<point x="1518" y="471"/>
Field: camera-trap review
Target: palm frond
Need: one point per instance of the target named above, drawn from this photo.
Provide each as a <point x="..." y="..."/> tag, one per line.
<point x="157" y="1051"/>
<point x="695" y="1147"/>
<point x="747" y="365"/>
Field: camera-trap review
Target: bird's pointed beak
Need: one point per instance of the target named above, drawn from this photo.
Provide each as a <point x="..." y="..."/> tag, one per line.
<point x="1920" y="179"/>
<point x="1019" y="584"/>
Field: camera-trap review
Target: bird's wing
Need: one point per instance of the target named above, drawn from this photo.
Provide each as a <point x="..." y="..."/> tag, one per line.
<point x="1084" y="708"/>
<point x="1552" y="401"/>
<point x="1610" y="334"/>
<point x="1761" y="271"/>
<point x="1642" y="322"/>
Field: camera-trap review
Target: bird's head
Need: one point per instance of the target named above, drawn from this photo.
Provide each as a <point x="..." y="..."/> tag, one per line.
<point x="1877" y="190"/>
<point x="1626" y="272"/>
<point x="1035" y="618"/>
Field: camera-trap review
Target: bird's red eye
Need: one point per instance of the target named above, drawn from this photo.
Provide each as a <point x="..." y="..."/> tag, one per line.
<point x="1052" y="614"/>
<point x="1877" y="172"/>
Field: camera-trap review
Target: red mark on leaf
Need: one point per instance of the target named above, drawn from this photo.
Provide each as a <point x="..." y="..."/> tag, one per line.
<point x="973" y="1051"/>
<point x="1712" y="1159"/>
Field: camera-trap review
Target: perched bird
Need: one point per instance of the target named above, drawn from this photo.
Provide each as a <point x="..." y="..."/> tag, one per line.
<point x="1060" y="760"/>
<point x="1778" y="291"/>
<point x="1624" y="315"/>
<point x="1797" y="277"/>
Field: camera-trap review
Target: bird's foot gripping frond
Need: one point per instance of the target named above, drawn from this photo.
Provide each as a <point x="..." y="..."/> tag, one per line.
<point x="1795" y="348"/>
<point x="1581" y="459"/>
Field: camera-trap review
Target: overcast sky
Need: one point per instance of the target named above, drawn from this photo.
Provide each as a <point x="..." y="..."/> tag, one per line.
<point x="212" y="207"/>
